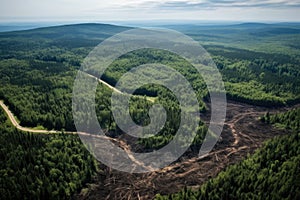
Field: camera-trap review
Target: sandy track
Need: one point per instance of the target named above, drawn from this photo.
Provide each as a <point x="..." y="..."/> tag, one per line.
<point x="151" y="99"/>
<point x="87" y="136"/>
<point x="17" y="125"/>
<point x="242" y="134"/>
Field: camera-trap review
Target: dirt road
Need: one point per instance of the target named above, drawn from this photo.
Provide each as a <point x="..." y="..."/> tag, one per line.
<point x="87" y="136"/>
<point x="242" y="134"/>
<point x="17" y="125"/>
<point x="151" y="99"/>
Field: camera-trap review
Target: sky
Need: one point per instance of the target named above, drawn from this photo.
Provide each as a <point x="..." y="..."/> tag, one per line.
<point x="139" y="10"/>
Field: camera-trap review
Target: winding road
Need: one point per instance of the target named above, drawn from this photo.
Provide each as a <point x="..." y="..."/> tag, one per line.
<point x="18" y="126"/>
<point x="120" y="143"/>
<point x="151" y="99"/>
<point x="243" y="133"/>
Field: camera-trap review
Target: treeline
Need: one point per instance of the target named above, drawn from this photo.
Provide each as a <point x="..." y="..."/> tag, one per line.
<point x="259" y="80"/>
<point x="288" y="120"/>
<point x="37" y="166"/>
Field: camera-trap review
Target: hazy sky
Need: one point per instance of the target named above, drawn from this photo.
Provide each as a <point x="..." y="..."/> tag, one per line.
<point x="132" y="10"/>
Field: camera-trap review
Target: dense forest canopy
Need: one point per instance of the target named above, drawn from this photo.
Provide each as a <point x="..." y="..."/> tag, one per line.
<point x="260" y="65"/>
<point x="39" y="166"/>
<point x="38" y="67"/>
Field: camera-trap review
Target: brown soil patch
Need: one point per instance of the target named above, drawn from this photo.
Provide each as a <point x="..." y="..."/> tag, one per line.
<point x="243" y="133"/>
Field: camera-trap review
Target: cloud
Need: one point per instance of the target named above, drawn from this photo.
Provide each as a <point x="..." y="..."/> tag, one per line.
<point x="149" y="9"/>
<point x="210" y="4"/>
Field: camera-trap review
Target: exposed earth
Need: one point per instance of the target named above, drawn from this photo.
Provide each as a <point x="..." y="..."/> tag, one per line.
<point x="243" y="133"/>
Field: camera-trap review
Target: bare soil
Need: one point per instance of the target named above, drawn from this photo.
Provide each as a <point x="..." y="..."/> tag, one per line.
<point x="243" y="133"/>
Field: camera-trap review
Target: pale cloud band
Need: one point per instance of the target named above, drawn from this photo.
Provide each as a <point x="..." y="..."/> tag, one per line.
<point x="287" y="10"/>
<point x="202" y="4"/>
<point x="229" y="3"/>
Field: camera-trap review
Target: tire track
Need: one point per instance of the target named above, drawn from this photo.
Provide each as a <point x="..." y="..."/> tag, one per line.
<point x="120" y="143"/>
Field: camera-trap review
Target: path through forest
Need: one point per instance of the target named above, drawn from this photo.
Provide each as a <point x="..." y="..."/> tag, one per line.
<point x="243" y="133"/>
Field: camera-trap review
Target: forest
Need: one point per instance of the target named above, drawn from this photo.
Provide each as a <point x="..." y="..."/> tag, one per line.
<point x="42" y="166"/>
<point x="38" y="68"/>
<point x="289" y="120"/>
